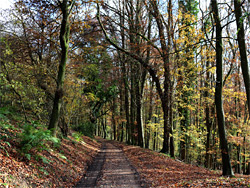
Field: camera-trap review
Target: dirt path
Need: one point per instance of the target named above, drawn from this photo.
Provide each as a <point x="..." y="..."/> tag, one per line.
<point x="111" y="169"/>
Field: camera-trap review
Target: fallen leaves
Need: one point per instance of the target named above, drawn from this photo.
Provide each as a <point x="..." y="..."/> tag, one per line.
<point x="158" y="170"/>
<point x="67" y="164"/>
<point x="61" y="167"/>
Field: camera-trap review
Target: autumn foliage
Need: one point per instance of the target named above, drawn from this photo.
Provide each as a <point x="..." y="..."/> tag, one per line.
<point x="169" y="76"/>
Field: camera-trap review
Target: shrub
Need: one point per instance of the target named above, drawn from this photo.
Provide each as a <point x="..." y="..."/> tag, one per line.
<point x="35" y="137"/>
<point x="3" y="112"/>
<point x="77" y="136"/>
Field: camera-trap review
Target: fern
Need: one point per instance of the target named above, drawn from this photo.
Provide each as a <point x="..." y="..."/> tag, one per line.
<point x="4" y="135"/>
<point x="5" y="149"/>
<point x="3" y="112"/>
<point x="35" y="137"/>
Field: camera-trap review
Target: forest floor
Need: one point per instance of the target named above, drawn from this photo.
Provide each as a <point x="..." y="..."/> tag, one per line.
<point x="67" y="164"/>
<point x="159" y="170"/>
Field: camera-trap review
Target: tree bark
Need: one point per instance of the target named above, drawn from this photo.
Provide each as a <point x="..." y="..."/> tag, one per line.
<point x="140" y="81"/>
<point x="208" y="121"/>
<point x="150" y="113"/>
<point x="114" y="119"/>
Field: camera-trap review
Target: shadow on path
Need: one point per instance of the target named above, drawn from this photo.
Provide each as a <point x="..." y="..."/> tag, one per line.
<point x="110" y="168"/>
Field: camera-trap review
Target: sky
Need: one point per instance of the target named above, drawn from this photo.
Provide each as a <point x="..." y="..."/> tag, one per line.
<point x="5" y="4"/>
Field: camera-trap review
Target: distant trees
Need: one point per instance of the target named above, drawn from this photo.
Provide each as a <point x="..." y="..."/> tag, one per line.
<point x="153" y="72"/>
<point x="184" y="74"/>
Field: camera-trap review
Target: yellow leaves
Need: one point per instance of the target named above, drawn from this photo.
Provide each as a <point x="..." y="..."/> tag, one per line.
<point x="182" y="140"/>
<point x="187" y="89"/>
<point x="155" y="115"/>
<point x="232" y="94"/>
<point x="87" y="26"/>
<point x="91" y="96"/>
<point x="189" y="107"/>
<point x="8" y="52"/>
<point x="239" y="95"/>
<point x="201" y="35"/>
<point x="187" y="17"/>
<point x="179" y="15"/>
<point x="212" y="70"/>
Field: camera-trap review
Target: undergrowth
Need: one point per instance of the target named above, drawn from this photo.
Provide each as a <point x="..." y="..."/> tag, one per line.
<point x="5" y="135"/>
<point x="35" y="137"/>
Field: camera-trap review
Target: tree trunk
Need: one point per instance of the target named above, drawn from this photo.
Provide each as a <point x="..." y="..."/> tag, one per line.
<point x="105" y="127"/>
<point x="156" y="120"/>
<point x="208" y="121"/>
<point x="147" y="132"/>
<point x="238" y="116"/>
<point x="227" y="169"/>
<point x="140" y="80"/>
<point x="150" y="113"/>
<point x="124" y="77"/>
<point x="126" y="103"/>
<point x="165" y="56"/>
<point x="121" y="131"/>
<point x="171" y="140"/>
<point x="114" y="119"/>
<point x="238" y="165"/>
<point x="244" y="156"/>
<point x="242" y="48"/>
<point x="132" y="105"/>
<point x="139" y="121"/>
<point x="64" y="42"/>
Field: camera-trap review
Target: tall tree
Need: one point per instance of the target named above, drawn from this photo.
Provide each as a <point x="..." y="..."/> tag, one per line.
<point x="165" y="96"/>
<point x="227" y="168"/>
<point x="186" y="78"/>
<point x="242" y="48"/>
<point x="66" y="7"/>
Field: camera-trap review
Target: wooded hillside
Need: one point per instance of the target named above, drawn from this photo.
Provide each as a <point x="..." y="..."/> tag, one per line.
<point x="170" y="76"/>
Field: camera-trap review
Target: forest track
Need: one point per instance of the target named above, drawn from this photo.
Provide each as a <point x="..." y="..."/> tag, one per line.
<point x="111" y="168"/>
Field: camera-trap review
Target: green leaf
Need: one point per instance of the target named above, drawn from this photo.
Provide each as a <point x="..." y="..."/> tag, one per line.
<point x="45" y="160"/>
<point x="28" y="156"/>
<point x="62" y="156"/>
